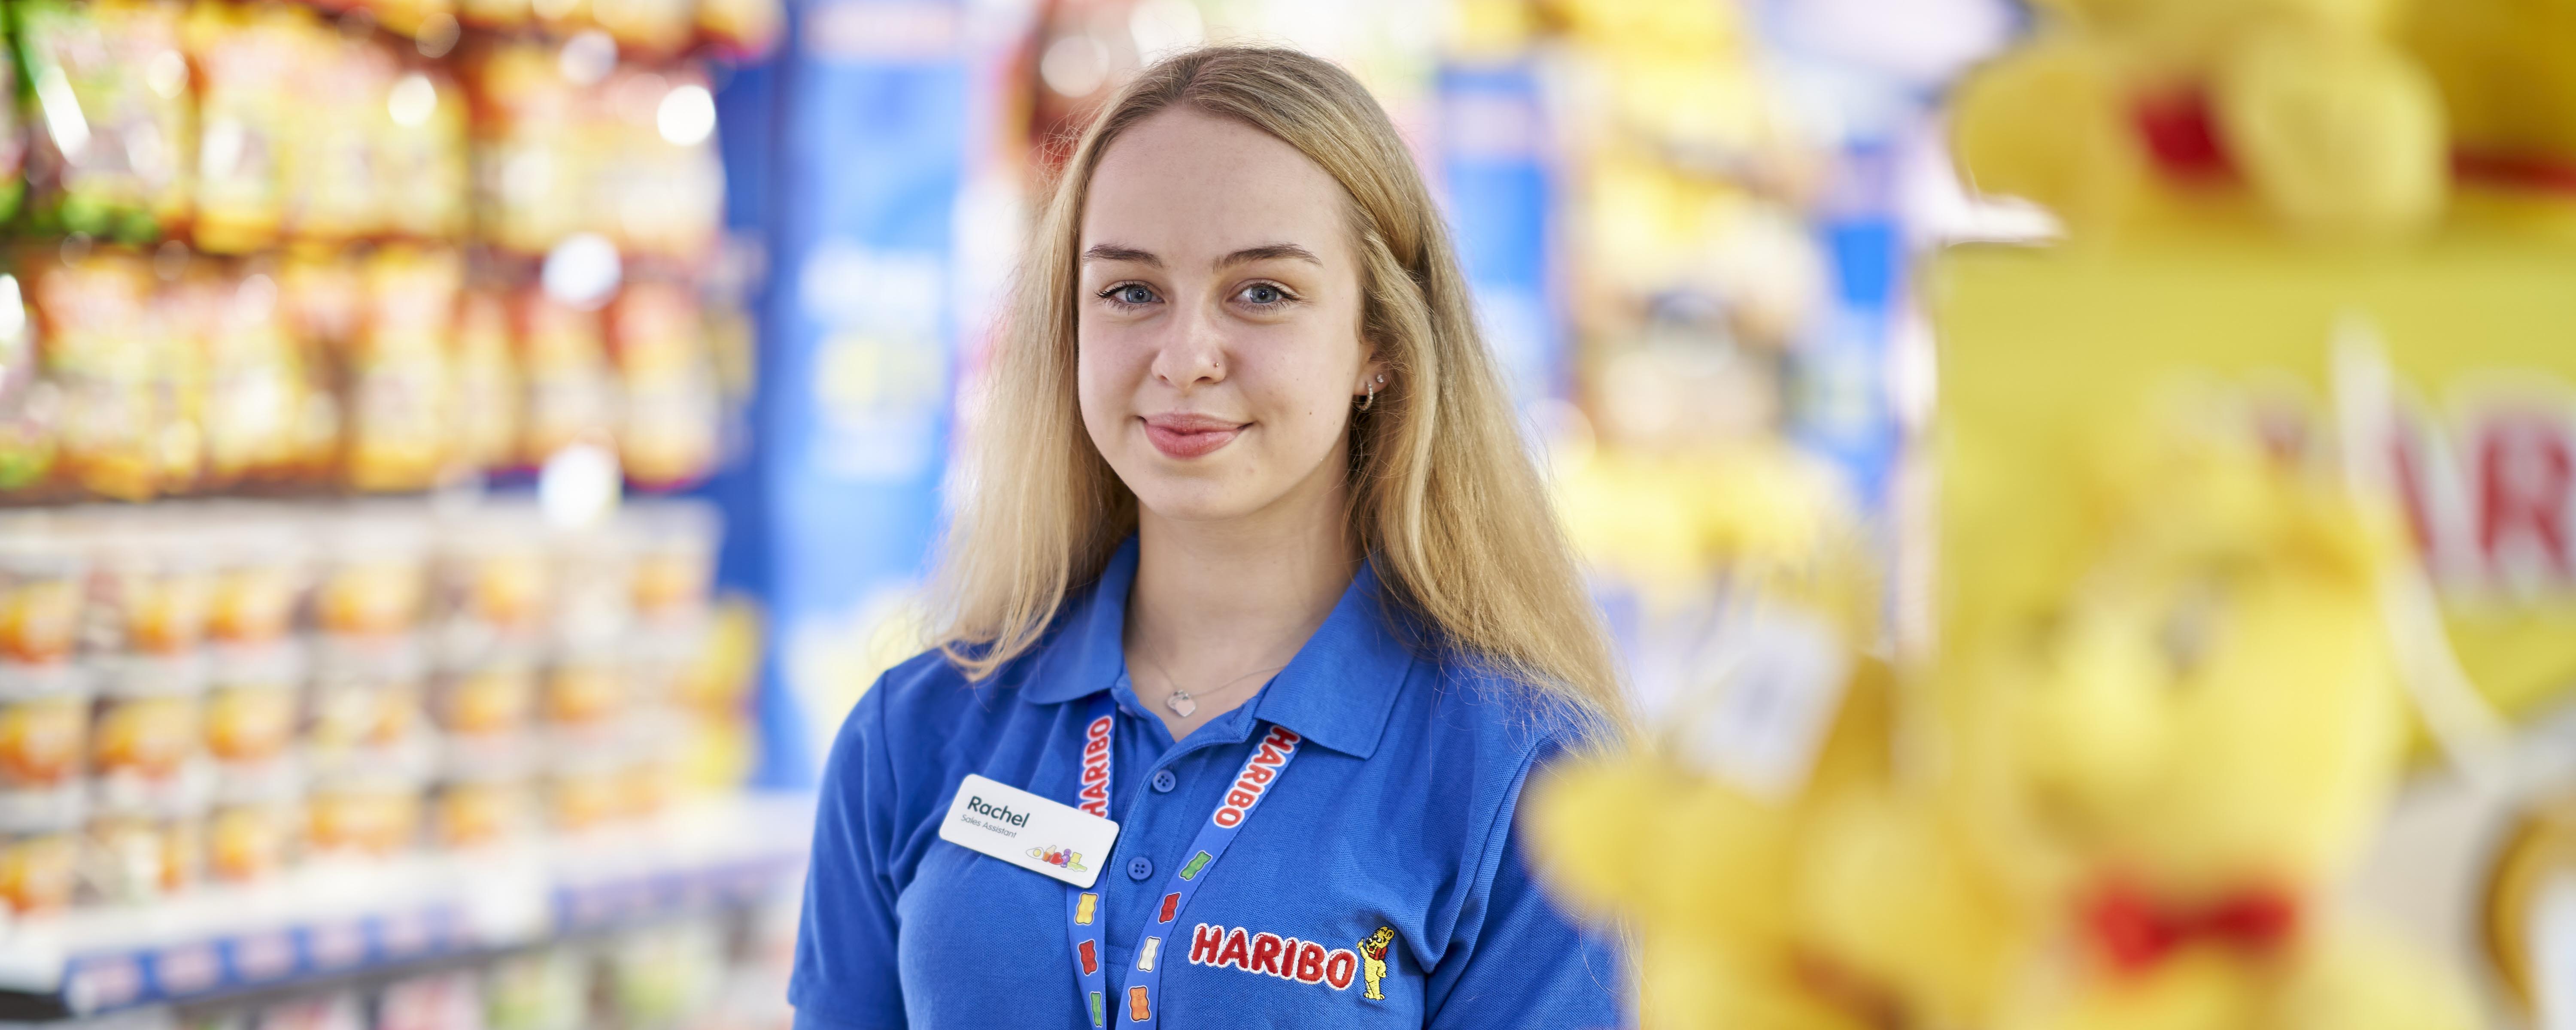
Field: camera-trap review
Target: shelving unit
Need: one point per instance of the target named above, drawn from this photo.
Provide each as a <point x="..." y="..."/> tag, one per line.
<point x="334" y="921"/>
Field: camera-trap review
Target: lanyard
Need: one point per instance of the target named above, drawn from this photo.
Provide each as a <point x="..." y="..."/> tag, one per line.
<point x="1139" y="1003"/>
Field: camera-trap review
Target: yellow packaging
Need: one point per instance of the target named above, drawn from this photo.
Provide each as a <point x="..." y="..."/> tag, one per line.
<point x="250" y="722"/>
<point x="717" y="676"/>
<point x="256" y="586"/>
<point x="257" y="375"/>
<point x="420" y="19"/>
<point x="495" y="575"/>
<point x="649" y="784"/>
<point x="420" y="155"/>
<point x="487" y="795"/>
<point x="586" y="798"/>
<point x="374" y="578"/>
<point x="366" y="818"/>
<point x="37" y="870"/>
<point x="657" y="28"/>
<point x="654" y="180"/>
<point x="401" y="372"/>
<point x="742" y="28"/>
<point x="674" y="553"/>
<point x="563" y="365"/>
<point x="150" y="590"/>
<point x="116" y="166"/>
<point x="2039" y="349"/>
<point x="477" y="813"/>
<point x="247" y="101"/>
<point x="584" y="691"/>
<point x="487" y="395"/>
<point x="252" y="841"/>
<point x="37" y="619"/>
<point x="668" y="430"/>
<point x="530" y="175"/>
<point x="42" y="573"/>
<point x="494" y="14"/>
<point x="333" y="192"/>
<point x="100" y="350"/>
<point x="717" y="753"/>
<point x="494" y="699"/>
<point x="149" y="737"/>
<point x="321" y="298"/>
<point x="44" y="726"/>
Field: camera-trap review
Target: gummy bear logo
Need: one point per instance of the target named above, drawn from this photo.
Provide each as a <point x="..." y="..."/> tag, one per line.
<point x="1373" y="961"/>
<point x="1060" y="857"/>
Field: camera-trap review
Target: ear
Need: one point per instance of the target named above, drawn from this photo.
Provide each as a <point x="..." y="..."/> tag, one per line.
<point x="1373" y="372"/>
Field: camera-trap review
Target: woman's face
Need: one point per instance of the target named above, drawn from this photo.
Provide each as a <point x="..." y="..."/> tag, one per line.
<point x="1219" y="345"/>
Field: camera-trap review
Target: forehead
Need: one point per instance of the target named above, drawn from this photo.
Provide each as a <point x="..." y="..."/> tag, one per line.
<point x="1185" y="184"/>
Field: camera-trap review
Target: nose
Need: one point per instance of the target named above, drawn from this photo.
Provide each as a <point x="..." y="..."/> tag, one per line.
<point x="1193" y="354"/>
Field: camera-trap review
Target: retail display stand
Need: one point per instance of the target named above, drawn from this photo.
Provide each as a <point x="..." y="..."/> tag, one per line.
<point x="331" y="923"/>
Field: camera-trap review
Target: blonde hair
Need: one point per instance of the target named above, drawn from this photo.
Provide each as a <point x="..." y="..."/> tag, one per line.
<point x="1444" y="494"/>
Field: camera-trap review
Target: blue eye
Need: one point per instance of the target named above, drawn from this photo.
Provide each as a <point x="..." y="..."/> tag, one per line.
<point x="1264" y="295"/>
<point x="1128" y="295"/>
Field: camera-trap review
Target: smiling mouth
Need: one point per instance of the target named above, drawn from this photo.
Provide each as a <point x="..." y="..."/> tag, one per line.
<point x="1190" y="436"/>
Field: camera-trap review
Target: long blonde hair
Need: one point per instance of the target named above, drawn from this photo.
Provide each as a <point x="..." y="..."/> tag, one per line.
<point x="1444" y="494"/>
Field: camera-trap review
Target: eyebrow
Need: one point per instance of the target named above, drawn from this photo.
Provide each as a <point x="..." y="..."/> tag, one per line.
<point x="1114" y="252"/>
<point x="1264" y="252"/>
<point x="1270" y="252"/>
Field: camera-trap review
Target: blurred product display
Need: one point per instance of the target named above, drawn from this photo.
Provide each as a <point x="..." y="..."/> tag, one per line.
<point x="717" y="969"/>
<point x="272" y="256"/>
<point x="269" y="250"/>
<point x="213" y="707"/>
<point x="411" y="679"/>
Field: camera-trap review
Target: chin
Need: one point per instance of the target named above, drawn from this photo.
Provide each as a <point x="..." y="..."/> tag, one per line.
<point x="1182" y="499"/>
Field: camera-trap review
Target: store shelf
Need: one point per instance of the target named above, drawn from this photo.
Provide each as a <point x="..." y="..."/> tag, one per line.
<point x="337" y="921"/>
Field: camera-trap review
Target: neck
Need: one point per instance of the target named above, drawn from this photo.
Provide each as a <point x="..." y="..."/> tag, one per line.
<point x="1216" y="600"/>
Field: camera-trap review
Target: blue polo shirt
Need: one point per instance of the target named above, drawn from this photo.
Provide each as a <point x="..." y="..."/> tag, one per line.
<point x="1396" y="813"/>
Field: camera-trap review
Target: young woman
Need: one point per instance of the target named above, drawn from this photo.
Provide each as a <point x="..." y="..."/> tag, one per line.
<point x="1255" y="564"/>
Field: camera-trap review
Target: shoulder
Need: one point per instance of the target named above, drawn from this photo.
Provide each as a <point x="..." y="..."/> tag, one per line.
<point x="926" y="700"/>
<point x="1475" y="735"/>
<point x="927" y="683"/>
<point x="1469" y="702"/>
<point x="1460" y="698"/>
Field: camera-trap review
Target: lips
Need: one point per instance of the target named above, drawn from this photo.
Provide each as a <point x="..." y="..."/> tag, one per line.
<point x="1190" y="436"/>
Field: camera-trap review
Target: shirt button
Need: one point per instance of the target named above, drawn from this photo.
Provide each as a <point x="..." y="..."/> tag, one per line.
<point x="1164" y="781"/>
<point x="1140" y="867"/>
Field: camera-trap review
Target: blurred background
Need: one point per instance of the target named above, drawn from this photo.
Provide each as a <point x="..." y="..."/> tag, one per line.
<point x="459" y="460"/>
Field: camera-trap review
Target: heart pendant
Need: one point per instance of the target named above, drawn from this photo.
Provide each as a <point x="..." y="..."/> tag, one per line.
<point x="1180" y="703"/>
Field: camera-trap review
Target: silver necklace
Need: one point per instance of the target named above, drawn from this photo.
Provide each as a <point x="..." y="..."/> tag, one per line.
<point x="1181" y="702"/>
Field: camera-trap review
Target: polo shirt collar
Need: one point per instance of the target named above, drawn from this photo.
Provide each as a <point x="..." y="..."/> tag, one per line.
<point x="1338" y="691"/>
<point x="1089" y="650"/>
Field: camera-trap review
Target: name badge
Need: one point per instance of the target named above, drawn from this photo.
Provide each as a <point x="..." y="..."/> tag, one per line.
<point x="1028" y="831"/>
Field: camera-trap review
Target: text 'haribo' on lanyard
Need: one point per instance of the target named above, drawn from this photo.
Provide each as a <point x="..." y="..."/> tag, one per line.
<point x="1140" y="1003"/>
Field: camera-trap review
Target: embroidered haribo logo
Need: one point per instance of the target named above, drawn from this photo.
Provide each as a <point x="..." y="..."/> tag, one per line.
<point x="1373" y="961"/>
<point x="1060" y="857"/>
<point x="1269" y="954"/>
<point x="1095" y="769"/>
